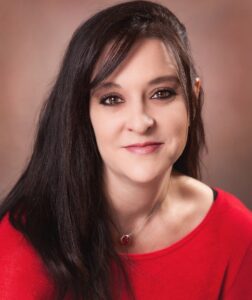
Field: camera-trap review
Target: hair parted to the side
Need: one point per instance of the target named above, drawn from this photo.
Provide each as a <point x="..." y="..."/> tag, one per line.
<point x="58" y="203"/>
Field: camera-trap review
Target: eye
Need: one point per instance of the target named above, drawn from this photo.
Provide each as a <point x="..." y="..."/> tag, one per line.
<point x="110" y="100"/>
<point x="164" y="93"/>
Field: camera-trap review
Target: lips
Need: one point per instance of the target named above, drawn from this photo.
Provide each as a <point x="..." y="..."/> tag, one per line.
<point x="144" y="148"/>
<point x="144" y="144"/>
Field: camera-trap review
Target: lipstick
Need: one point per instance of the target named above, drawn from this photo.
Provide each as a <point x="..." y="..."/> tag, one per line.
<point x="144" y="148"/>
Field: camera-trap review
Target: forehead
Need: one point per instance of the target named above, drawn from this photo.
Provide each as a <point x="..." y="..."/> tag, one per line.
<point x="148" y="57"/>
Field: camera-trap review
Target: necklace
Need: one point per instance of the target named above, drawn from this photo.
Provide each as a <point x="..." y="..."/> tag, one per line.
<point x="126" y="239"/>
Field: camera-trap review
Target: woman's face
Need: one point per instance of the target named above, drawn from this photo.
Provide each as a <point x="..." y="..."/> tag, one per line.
<point x="141" y="101"/>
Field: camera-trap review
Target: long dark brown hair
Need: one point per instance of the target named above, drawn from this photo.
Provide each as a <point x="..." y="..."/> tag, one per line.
<point x="58" y="203"/>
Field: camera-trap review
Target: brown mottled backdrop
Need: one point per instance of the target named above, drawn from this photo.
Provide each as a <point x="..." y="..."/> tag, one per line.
<point x="34" y="34"/>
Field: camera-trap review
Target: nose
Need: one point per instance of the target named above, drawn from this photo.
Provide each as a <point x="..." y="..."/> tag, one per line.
<point x="140" y="122"/>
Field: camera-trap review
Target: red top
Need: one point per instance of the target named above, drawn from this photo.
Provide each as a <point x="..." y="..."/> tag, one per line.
<point x="213" y="261"/>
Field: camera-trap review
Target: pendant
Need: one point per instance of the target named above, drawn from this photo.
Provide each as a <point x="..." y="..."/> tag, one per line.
<point x="125" y="239"/>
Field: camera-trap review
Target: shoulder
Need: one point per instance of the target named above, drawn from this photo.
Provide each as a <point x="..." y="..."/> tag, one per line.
<point x="233" y="204"/>
<point x="235" y="216"/>
<point x="227" y="211"/>
<point x="13" y="243"/>
<point x="195" y="197"/>
<point x="189" y="188"/>
<point x="22" y="271"/>
<point x="234" y="221"/>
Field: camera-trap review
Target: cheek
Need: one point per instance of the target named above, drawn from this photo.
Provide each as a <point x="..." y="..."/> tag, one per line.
<point x="105" y="131"/>
<point x="176" y="129"/>
<point x="177" y="120"/>
<point x="181" y="128"/>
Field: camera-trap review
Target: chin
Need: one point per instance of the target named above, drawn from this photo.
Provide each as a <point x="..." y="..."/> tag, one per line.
<point x="143" y="176"/>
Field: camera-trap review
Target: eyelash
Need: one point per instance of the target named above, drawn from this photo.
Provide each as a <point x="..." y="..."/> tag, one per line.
<point x="171" y="92"/>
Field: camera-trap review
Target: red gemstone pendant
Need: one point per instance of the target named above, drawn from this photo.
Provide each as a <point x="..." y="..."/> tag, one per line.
<point x="125" y="240"/>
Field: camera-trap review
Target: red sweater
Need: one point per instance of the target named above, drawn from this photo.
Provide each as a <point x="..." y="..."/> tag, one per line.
<point x="213" y="261"/>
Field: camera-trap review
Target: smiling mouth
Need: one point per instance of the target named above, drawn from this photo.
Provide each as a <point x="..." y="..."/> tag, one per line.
<point x="144" y="148"/>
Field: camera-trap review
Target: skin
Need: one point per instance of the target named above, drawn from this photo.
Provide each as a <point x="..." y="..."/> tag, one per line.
<point x="138" y="111"/>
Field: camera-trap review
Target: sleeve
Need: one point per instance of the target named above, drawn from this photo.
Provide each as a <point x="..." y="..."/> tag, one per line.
<point x="20" y="278"/>
<point x="242" y="286"/>
<point x="23" y="275"/>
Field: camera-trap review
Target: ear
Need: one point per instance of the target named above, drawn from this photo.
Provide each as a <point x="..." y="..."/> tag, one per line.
<point x="197" y="86"/>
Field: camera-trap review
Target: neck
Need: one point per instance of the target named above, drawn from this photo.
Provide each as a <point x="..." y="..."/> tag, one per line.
<point x="130" y="202"/>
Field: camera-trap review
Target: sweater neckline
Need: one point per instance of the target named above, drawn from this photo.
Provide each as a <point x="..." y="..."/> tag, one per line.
<point x="183" y="240"/>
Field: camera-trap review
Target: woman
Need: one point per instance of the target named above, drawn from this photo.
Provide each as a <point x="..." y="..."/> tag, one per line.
<point x="110" y="205"/>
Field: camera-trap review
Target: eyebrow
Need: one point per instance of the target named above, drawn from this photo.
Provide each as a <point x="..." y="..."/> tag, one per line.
<point x="157" y="80"/>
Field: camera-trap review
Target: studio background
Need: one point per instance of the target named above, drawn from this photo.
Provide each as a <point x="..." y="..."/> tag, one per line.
<point x="33" y="38"/>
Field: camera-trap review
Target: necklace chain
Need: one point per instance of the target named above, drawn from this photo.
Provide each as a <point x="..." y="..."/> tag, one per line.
<point x="126" y="239"/>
